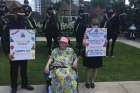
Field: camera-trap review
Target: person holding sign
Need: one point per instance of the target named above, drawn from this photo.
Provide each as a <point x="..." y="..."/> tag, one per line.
<point x="92" y="43"/>
<point x="16" y="20"/>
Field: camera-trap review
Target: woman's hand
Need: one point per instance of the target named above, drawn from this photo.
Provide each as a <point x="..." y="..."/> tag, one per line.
<point x="10" y="57"/>
<point x="85" y="43"/>
<point x="74" y="66"/>
<point x="46" y="70"/>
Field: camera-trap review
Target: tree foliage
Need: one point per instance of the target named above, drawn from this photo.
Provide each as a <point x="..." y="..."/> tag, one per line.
<point x="135" y="3"/>
<point x="101" y="3"/>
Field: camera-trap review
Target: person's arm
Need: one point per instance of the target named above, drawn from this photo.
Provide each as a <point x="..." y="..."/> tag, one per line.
<point x="46" y="70"/>
<point x="5" y="39"/>
<point x="75" y="60"/>
<point x="103" y="22"/>
<point x="74" y="65"/>
<point x="59" y="26"/>
<point x="76" y="24"/>
<point x="84" y="40"/>
<point x="43" y="27"/>
<point x="45" y="23"/>
<point x="33" y="22"/>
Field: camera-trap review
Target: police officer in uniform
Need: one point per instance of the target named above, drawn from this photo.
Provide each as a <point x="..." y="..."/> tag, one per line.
<point x="111" y="21"/>
<point x="28" y="13"/>
<point x="79" y="29"/>
<point x="51" y="28"/>
<point x="3" y="12"/>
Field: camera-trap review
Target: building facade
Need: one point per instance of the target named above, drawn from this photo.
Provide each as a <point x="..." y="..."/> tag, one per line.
<point x="38" y="6"/>
<point x="43" y="7"/>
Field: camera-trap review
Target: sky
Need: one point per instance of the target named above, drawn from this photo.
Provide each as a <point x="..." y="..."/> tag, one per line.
<point x="127" y="2"/>
<point x="87" y="0"/>
<point x="31" y="3"/>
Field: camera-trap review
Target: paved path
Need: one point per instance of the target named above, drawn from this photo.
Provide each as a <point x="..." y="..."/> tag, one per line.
<point x="101" y="87"/>
<point x="130" y="42"/>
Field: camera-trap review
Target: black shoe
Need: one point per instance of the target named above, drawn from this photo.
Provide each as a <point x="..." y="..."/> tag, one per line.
<point x="87" y="85"/>
<point x="27" y="87"/>
<point x="13" y="91"/>
<point x="92" y="85"/>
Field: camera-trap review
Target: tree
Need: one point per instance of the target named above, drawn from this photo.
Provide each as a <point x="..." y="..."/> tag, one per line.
<point x="101" y="3"/>
<point x="59" y="3"/>
<point x="135" y="3"/>
<point x="118" y="5"/>
<point x="68" y="1"/>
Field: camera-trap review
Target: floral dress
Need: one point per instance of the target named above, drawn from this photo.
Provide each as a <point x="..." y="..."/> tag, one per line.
<point x="64" y="80"/>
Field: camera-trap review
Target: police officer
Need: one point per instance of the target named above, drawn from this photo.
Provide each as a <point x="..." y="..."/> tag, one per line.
<point x="3" y="8"/>
<point x="16" y="20"/>
<point x="112" y="23"/>
<point x="26" y="7"/>
<point x="3" y="11"/>
<point x="28" y="13"/>
<point x="51" y="28"/>
<point x="79" y="29"/>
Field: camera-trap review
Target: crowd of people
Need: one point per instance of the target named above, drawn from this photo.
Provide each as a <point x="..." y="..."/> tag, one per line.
<point x="62" y="62"/>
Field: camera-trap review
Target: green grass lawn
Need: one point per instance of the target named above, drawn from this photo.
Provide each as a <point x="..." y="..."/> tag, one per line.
<point x="125" y="66"/>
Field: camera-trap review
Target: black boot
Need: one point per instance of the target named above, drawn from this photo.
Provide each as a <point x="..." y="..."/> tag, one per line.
<point x="92" y="85"/>
<point x="87" y="85"/>
<point x="27" y="87"/>
<point x="14" y="91"/>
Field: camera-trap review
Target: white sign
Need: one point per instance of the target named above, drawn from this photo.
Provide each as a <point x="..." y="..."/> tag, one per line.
<point x="96" y="42"/>
<point x="22" y="44"/>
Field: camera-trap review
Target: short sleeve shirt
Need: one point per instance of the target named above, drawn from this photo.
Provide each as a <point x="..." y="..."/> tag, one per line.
<point x="65" y="57"/>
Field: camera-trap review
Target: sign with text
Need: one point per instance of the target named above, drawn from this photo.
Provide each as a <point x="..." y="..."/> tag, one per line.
<point x="22" y="44"/>
<point x="96" y="39"/>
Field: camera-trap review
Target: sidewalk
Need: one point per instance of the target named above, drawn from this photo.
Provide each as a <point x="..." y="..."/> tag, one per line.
<point x="101" y="87"/>
<point x="133" y="43"/>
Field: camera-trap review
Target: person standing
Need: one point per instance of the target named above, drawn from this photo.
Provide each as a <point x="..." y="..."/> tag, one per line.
<point x="16" y="20"/>
<point x="112" y="23"/>
<point x="3" y="8"/>
<point x="51" y="28"/>
<point x="79" y="29"/>
<point x="132" y="31"/>
<point x="26" y="7"/>
<point x="3" y="12"/>
<point x="28" y="13"/>
<point x="94" y="62"/>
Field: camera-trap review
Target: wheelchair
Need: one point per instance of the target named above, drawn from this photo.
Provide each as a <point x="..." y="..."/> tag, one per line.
<point x="48" y="78"/>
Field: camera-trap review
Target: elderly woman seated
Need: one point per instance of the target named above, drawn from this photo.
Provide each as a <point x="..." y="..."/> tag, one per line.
<point x="62" y="66"/>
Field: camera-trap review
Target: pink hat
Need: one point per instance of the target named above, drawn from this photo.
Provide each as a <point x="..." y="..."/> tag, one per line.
<point x="64" y="39"/>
